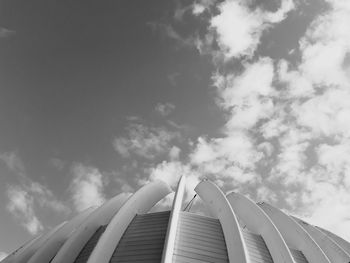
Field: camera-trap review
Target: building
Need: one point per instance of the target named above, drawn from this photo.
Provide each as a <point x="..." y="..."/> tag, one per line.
<point x="239" y="231"/>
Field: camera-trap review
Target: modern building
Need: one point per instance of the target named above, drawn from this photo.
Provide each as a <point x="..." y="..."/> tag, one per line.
<point x="239" y="231"/>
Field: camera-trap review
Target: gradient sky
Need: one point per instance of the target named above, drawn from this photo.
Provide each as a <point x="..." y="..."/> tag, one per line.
<point x="99" y="97"/>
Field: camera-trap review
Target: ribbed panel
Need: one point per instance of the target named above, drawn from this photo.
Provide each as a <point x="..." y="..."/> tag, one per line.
<point x="298" y="256"/>
<point x="199" y="239"/>
<point x="257" y="250"/>
<point x="143" y="240"/>
<point x="89" y="246"/>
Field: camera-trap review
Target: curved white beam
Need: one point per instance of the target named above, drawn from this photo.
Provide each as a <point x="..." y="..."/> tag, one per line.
<point x="143" y="200"/>
<point x="11" y="257"/>
<point x="257" y="221"/>
<point x="334" y="252"/>
<point x="101" y="216"/>
<point x="345" y="245"/>
<point x="215" y="199"/>
<point x="170" y="237"/>
<point x="23" y="255"/>
<point x="48" y="250"/>
<point x="295" y="235"/>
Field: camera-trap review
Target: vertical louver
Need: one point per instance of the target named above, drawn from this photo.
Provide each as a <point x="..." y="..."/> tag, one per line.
<point x="143" y="240"/>
<point x="199" y="239"/>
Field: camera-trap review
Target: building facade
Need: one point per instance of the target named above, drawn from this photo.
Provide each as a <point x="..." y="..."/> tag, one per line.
<point x="239" y="231"/>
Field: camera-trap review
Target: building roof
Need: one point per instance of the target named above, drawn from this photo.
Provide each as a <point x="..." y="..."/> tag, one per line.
<point x="240" y="230"/>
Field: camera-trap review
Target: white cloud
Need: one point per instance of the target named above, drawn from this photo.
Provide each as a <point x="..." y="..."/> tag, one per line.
<point x="174" y="153"/>
<point x="22" y="206"/>
<point x="13" y="162"/>
<point x="235" y="149"/>
<point x="164" y="109"/>
<point x="27" y="196"/>
<point x="201" y="6"/>
<point x="3" y="255"/>
<point x="290" y="123"/>
<point x="247" y="96"/>
<point x="147" y="142"/>
<point x="86" y="187"/>
<point x="327" y="114"/>
<point x="239" y="28"/>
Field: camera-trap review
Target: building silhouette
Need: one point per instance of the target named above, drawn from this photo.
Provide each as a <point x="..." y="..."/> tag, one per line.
<point x="239" y="231"/>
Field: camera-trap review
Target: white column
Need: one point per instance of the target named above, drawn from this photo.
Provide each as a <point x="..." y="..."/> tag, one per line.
<point x="48" y="250"/>
<point x="143" y="200"/>
<point x="23" y="255"/>
<point x="215" y="199"/>
<point x="257" y="221"/>
<point x="295" y="235"/>
<point x="101" y="216"/>
<point x="170" y="237"/>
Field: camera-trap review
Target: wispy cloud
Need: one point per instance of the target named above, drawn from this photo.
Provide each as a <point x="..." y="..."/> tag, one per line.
<point x="144" y="141"/>
<point x="28" y="195"/>
<point x="169" y="32"/>
<point x="5" y="33"/>
<point x="87" y="186"/>
<point x="164" y="109"/>
<point x="21" y="205"/>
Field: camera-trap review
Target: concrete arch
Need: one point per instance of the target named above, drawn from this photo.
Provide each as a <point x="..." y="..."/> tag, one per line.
<point x="11" y="257"/>
<point x="295" y="235"/>
<point x="345" y="245"/>
<point x="257" y="221"/>
<point x="143" y="200"/>
<point x="101" y="216"/>
<point x="23" y="255"/>
<point x="221" y="208"/>
<point x="170" y="237"/>
<point x="334" y="252"/>
<point x="49" y="249"/>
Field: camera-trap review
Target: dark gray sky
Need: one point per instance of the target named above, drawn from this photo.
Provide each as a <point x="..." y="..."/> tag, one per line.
<point x="99" y="97"/>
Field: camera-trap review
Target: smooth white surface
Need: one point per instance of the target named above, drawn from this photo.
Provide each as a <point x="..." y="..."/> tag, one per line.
<point x="23" y="255"/>
<point x="345" y="245"/>
<point x="141" y="202"/>
<point x="295" y="235"/>
<point x="215" y="199"/>
<point x="11" y="257"/>
<point x="170" y="237"/>
<point x="101" y="216"/>
<point x="257" y="221"/>
<point x="334" y="252"/>
<point x="48" y="250"/>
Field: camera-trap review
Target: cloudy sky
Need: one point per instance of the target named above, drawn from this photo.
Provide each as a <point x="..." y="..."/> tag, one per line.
<point x="100" y="97"/>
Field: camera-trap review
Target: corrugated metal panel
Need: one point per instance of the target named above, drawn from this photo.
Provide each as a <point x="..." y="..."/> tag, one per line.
<point x="257" y="249"/>
<point x="89" y="246"/>
<point x="298" y="256"/>
<point x="143" y="240"/>
<point x="199" y="239"/>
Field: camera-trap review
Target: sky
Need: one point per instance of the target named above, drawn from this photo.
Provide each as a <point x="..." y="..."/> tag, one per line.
<point x="101" y="97"/>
